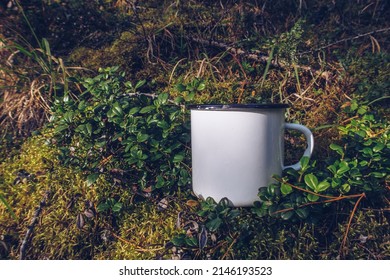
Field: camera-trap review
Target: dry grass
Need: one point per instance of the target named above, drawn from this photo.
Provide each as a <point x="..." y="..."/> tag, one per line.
<point x="30" y="80"/>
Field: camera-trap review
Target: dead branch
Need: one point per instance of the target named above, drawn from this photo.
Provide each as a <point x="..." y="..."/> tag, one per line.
<point x="342" y="247"/>
<point x="31" y="227"/>
<point x="347" y="39"/>
<point x="258" y="56"/>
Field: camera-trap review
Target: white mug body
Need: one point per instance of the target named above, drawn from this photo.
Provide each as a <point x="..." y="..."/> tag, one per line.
<point x="235" y="152"/>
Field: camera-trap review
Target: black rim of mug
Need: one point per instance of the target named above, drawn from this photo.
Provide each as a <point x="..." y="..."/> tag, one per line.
<point x="237" y="106"/>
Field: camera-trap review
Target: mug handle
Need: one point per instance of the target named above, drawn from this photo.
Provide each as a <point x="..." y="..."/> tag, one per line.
<point x="310" y="142"/>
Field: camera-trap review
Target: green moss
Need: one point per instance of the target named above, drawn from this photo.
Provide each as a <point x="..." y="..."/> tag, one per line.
<point x="130" y="51"/>
<point x="143" y="233"/>
<point x="280" y="241"/>
<point x="56" y="235"/>
<point x="368" y="237"/>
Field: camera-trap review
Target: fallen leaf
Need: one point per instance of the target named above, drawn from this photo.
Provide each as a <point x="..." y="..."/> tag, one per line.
<point x="178" y="220"/>
<point x="70" y="203"/>
<point x="162" y="204"/>
<point x="88" y="204"/>
<point x="89" y="213"/>
<point x="80" y="222"/>
<point x="213" y="238"/>
<point x="147" y="190"/>
<point x="202" y="237"/>
<point x="362" y="238"/>
<point x="192" y="203"/>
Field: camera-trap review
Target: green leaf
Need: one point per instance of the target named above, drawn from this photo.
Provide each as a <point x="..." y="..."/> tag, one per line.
<point x="378" y="147"/>
<point x="285" y="189"/>
<point x="345" y="188"/>
<point x="100" y="144"/>
<point x="160" y="182"/>
<point x="302" y="213"/>
<point x="181" y="87"/>
<point x="68" y="117"/>
<point x="304" y="163"/>
<point x="378" y="174"/>
<point x="46" y="47"/>
<point x="332" y="169"/>
<point x="201" y="86"/>
<point x="103" y="207"/>
<point x="147" y="109"/>
<point x="272" y="209"/>
<point x="312" y="197"/>
<point x="178" y="99"/>
<point x="367" y="151"/>
<point x="272" y="189"/>
<point x="2" y="199"/>
<point x="60" y="128"/>
<point x="140" y="84"/>
<point x="129" y="85"/>
<point x="142" y="137"/>
<point x="117" y="207"/>
<point x="311" y="181"/>
<point x="163" y="124"/>
<point x="323" y="186"/>
<point x="354" y="105"/>
<point x="361" y="133"/>
<point x="214" y="224"/>
<point x="91" y="179"/>
<point x="343" y="167"/>
<point x="189" y="96"/>
<point x="134" y="110"/>
<point x="260" y="208"/>
<point x="233" y="214"/>
<point x="362" y="110"/>
<point x="179" y="240"/>
<point x="82" y="105"/>
<point x="191" y="241"/>
<point x="223" y="204"/>
<point x="287" y="215"/>
<point x="88" y="128"/>
<point x="117" y="109"/>
<point x="178" y="158"/>
<point x="163" y="98"/>
<point x="337" y="148"/>
<point x="335" y="182"/>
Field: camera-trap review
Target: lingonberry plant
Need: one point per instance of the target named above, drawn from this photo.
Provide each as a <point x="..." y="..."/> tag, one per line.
<point x="359" y="168"/>
<point x="140" y="139"/>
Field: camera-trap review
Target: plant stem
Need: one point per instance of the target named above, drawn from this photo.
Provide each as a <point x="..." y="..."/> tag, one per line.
<point x="350" y="221"/>
<point x="31" y="227"/>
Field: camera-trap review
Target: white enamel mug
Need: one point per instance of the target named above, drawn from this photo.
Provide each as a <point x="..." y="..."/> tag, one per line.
<point x="236" y="149"/>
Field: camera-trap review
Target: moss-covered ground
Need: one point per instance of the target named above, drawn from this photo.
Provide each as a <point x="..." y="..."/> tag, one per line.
<point x="320" y="57"/>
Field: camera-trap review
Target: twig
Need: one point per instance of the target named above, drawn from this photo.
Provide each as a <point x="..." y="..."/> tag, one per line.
<point x="230" y="247"/>
<point x="31" y="227"/>
<point x="330" y="199"/>
<point x="371" y="253"/>
<point x="319" y="202"/>
<point x="350" y="221"/>
<point x="138" y="94"/>
<point x="376" y="210"/>
<point x="304" y="190"/>
<point x="258" y="56"/>
<point x="347" y="39"/>
<point x="137" y="248"/>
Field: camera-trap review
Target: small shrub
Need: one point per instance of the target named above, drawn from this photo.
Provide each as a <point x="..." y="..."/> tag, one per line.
<point x="113" y="128"/>
<point x="360" y="166"/>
